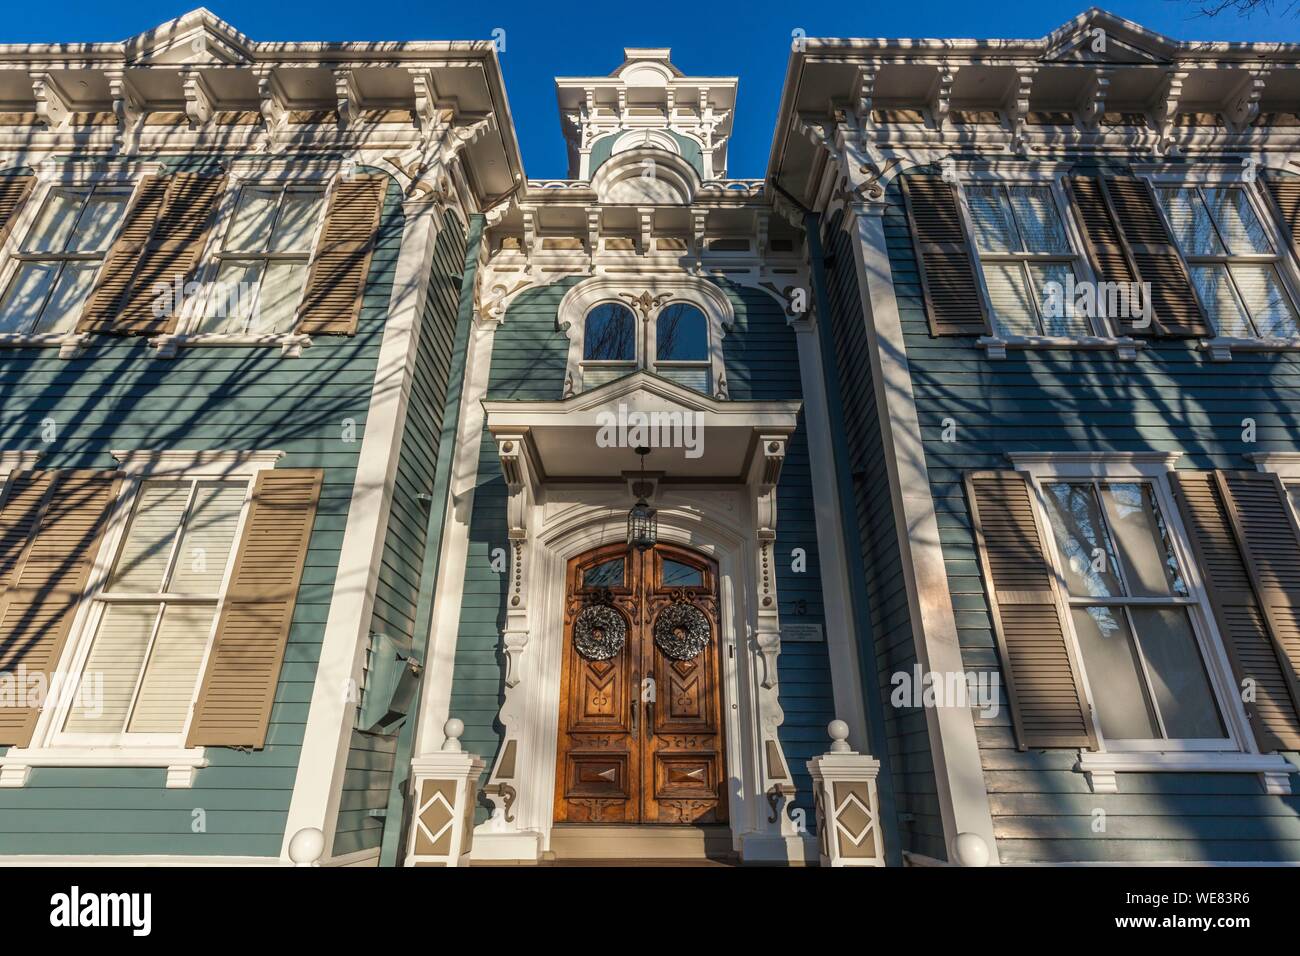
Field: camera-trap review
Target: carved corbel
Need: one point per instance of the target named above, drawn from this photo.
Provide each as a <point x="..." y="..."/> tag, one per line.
<point x="1093" y="106"/>
<point x="348" y="96"/>
<point x="646" y="223"/>
<point x="865" y="89"/>
<point x="530" y="231"/>
<point x="51" y="105"/>
<point x="942" y="104"/>
<point x="762" y="220"/>
<point x="593" y="229"/>
<point x="764" y="476"/>
<point x="128" y="107"/>
<point x="426" y="98"/>
<point x="699" y="223"/>
<point x="1165" y="112"/>
<point x="273" y="103"/>
<point x="199" y="99"/>
<point x="1245" y="108"/>
<point x="1020" y="108"/>
<point x="512" y="450"/>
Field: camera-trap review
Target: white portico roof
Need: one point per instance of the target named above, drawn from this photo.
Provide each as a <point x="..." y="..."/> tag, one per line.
<point x="592" y="435"/>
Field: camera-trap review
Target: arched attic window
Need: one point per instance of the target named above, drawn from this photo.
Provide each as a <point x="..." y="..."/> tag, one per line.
<point x="608" y="343"/>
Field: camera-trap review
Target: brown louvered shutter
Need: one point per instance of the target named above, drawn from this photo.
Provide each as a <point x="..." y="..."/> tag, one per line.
<point x="170" y="255"/>
<point x="1234" y="520"/>
<point x="14" y="191"/>
<point x="1175" y="303"/>
<point x="50" y="529"/>
<point x="337" y="281"/>
<point x="234" y="702"/>
<point x="952" y="295"/>
<point x="1285" y="193"/>
<point x="1106" y="248"/>
<point x="121" y="261"/>
<point x="1048" y="705"/>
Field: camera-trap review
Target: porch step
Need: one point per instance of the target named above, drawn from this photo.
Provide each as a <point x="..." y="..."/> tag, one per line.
<point x="628" y="843"/>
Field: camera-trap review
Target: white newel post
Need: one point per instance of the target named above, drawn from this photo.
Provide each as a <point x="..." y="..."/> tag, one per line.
<point x="445" y="787"/>
<point x="848" y="809"/>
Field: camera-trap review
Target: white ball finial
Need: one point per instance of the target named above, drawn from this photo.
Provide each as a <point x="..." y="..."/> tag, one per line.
<point x="306" y="847"/>
<point x="453" y="728"/>
<point x="839" y="732"/>
<point x="970" y="850"/>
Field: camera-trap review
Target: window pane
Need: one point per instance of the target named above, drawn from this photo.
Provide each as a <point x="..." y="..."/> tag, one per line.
<point x="1269" y="305"/>
<point x="1081" y="540"/>
<point x="678" y="575"/>
<point x="278" y="300"/>
<point x="610" y="334"/>
<point x="1058" y="315"/>
<point x="1193" y="229"/>
<point x="1114" y="674"/>
<point x="149" y="537"/>
<point x="98" y="222"/>
<point x="1038" y="219"/>
<point x="991" y="219"/>
<point x="682" y="334"/>
<point x="230" y="301"/>
<point x="297" y="223"/>
<point x="26" y="294"/>
<point x="250" y="228"/>
<point x="1238" y="224"/>
<point x="173" y="670"/>
<point x="70" y="292"/>
<point x="1012" y="302"/>
<point x="1150" y="568"/>
<point x="1178" y="680"/>
<point x="112" y="668"/>
<point x="607" y="574"/>
<point x="1215" y="290"/>
<point x="57" y="221"/>
<point x="206" y="541"/>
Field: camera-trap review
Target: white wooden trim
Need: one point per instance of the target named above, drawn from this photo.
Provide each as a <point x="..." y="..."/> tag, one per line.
<point x="959" y="776"/>
<point x="326" y="738"/>
<point x="147" y="463"/>
<point x="181" y="763"/>
<point x="1284" y="464"/>
<point x="1274" y="770"/>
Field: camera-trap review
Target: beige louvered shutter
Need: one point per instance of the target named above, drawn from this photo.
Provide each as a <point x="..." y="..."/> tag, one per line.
<point x="1106" y="248"/>
<point x="1175" y="303"/>
<point x="952" y="295"/>
<point x="122" y="259"/>
<point x="1285" y="193"/>
<point x="1048" y="705"/>
<point x="337" y="281"/>
<point x="1244" y="541"/>
<point x="171" y="253"/>
<point x="50" y="529"/>
<point x="14" y="191"/>
<point x="234" y="702"/>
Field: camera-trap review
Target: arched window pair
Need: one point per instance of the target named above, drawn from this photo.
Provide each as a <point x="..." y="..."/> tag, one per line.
<point x="677" y="350"/>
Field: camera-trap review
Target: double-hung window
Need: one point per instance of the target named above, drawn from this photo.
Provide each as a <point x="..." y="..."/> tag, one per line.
<point x="59" y="258"/>
<point x="1134" y="616"/>
<point x="1231" y="258"/>
<point x="1027" y="259"/>
<point x="153" y="620"/>
<point x="264" y="257"/>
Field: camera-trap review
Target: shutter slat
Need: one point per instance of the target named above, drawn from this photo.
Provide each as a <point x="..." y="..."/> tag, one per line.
<point x="46" y="581"/>
<point x="14" y="192"/>
<point x="234" y="703"/>
<point x="124" y="255"/>
<point x="337" y="281"/>
<point x="1285" y="193"/>
<point x="1044" y="688"/>
<point x="1222" y="517"/>
<point x="1111" y="261"/>
<point x="952" y="297"/>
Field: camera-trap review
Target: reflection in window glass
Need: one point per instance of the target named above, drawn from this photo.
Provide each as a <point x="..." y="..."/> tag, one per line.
<point x="682" y="334"/>
<point x="677" y="575"/>
<point x="609" y="334"/>
<point x="1114" y="674"/>
<point x="1081" y="539"/>
<point x="607" y="574"/>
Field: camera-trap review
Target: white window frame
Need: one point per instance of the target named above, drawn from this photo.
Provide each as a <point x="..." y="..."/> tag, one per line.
<point x="50" y="175"/>
<point x="663" y="291"/>
<point x="323" y="174"/>
<point x="1210" y="175"/>
<point x="51" y="746"/>
<point x="1041" y="174"/>
<point x="1238" y="753"/>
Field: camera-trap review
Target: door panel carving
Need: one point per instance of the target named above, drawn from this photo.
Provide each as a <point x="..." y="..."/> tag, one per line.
<point x="633" y="750"/>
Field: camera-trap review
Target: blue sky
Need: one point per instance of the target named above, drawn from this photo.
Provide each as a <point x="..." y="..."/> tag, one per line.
<point x="750" y="40"/>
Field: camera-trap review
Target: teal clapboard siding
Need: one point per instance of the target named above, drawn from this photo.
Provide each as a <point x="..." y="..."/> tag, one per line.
<point x="370" y="756"/>
<point x="1173" y="398"/>
<point x="529" y="358"/>
<point x="909" y="757"/>
<point x="117" y="395"/>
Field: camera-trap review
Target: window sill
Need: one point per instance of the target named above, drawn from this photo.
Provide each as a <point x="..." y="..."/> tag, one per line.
<point x="181" y="764"/>
<point x="1100" y="768"/>
<point x="290" y="344"/>
<point x="1221" y="348"/>
<point x="1126" y="348"/>
<point x="69" y="344"/>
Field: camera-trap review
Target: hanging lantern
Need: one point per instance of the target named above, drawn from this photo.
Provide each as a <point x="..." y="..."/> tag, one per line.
<point x="642" y="521"/>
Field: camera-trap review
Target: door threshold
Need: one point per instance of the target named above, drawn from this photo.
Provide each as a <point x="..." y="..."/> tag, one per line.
<point x="630" y="842"/>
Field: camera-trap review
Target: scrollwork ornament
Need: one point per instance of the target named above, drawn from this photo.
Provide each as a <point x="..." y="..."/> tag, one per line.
<point x="682" y="631"/>
<point x="599" y="632"/>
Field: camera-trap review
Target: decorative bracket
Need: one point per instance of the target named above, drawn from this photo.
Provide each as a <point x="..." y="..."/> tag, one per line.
<point x="199" y="99"/>
<point x="1166" y="112"/>
<point x="1093" y="106"/>
<point x="348" y="96"/>
<point x="51" y="105"/>
<point x="1020" y="108"/>
<point x="517" y="469"/>
<point x="943" y="95"/>
<point x="273" y="104"/>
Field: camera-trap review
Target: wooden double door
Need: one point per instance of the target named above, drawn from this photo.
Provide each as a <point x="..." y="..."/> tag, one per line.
<point x="641" y="734"/>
